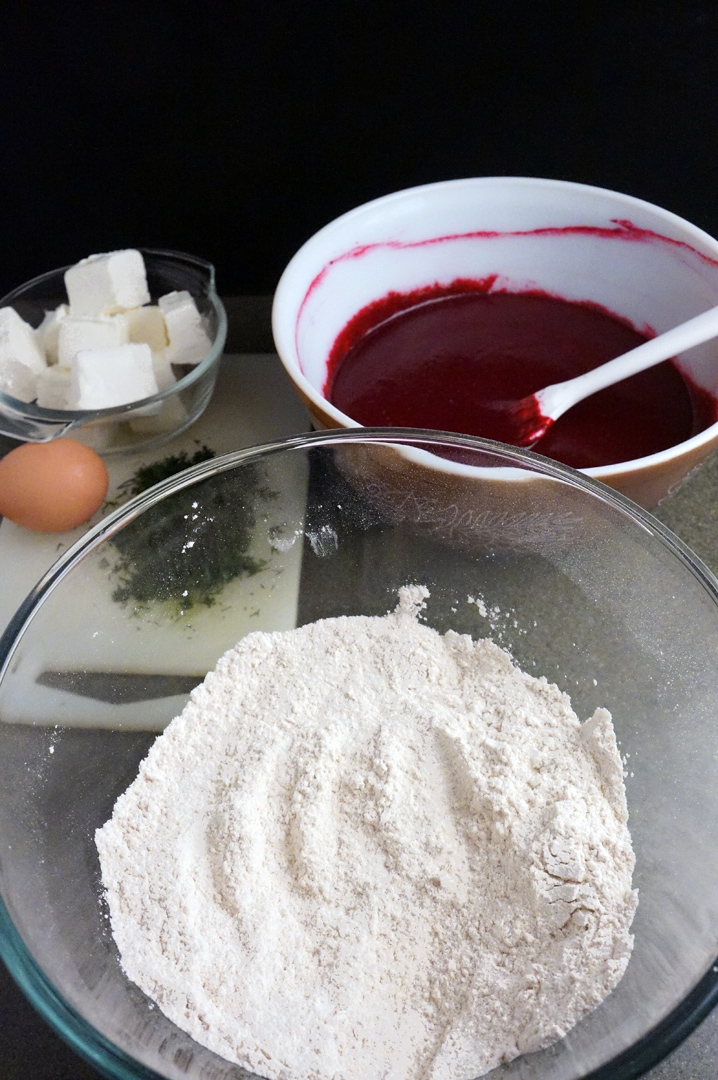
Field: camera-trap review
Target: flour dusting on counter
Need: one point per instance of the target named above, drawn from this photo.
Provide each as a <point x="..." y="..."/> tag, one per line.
<point x="368" y="851"/>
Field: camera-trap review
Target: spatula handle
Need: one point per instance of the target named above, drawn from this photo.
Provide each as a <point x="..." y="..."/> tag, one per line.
<point x="554" y="400"/>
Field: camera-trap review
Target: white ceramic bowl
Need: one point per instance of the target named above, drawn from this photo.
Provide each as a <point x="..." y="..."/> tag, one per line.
<point x="577" y="242"/>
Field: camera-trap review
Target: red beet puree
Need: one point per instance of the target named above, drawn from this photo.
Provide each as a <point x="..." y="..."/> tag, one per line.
<point x="429" y="360"/>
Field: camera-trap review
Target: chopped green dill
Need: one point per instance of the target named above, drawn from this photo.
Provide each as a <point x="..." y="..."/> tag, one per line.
<point x="148" y="475"/>
<point x="182" y="552"/>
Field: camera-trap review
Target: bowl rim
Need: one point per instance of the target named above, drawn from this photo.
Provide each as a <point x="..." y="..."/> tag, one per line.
<point x="282" y="294"/>
<point x="73" y="418"/>
<point x="82" y="1036"/>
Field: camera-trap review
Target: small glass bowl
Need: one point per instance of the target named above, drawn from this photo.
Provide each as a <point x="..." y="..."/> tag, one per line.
<point x="137" y="424"/>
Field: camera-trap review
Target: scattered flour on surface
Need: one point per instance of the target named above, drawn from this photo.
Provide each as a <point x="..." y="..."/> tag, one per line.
<point x="365" y="851"/>
<point x="481" y="605"/>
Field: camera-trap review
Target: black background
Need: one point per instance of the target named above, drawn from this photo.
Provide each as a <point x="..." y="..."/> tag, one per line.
<point x="234" y="131"/>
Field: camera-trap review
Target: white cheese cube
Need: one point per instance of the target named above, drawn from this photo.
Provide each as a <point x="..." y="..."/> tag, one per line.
<point x="189" y="341"/>
<point x="147" y="324"/>
<point x="48" y="332"/>
<point x="163" y="369"/>
<point x="81" y="332"/>
<point x="103" y="378"/>
<point x="107" y="283"/>
<point x="18" y="342"/>
<point x="165" y="377"/>
<point x="53" y="388"/>
<point x="18" y="380"/>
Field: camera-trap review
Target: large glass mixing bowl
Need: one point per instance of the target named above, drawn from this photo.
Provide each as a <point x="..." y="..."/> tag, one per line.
<point x="580" y="585"/>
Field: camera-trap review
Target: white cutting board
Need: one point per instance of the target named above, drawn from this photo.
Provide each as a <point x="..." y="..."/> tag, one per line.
<point x="253" y="403"/>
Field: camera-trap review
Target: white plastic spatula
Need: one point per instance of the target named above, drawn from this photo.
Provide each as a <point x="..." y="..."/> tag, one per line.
<point x="529" y="419"/>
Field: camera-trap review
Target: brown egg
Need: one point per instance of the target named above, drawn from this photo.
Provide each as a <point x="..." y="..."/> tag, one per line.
<point x="51" y="487"/>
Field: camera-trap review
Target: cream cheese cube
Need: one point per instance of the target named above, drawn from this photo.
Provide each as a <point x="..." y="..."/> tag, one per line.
<point x="18" y="380"/>
<point x="147" y="324"/>
<point x="163" y="369"/>
<point x="48" y="332"/>
<point x="18" y="342"/>
<point x="53" y="388"/>
<point x="104" y="378"/>
<point x="107" y="283"/>
<point x="189" y="341"/>
<point x="80" y="332"/>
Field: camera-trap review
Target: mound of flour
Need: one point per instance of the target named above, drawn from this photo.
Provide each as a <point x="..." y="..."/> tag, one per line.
<point x="368" y="851"/>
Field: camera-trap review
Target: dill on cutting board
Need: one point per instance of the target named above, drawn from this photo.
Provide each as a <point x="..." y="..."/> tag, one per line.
<point x="148" y="475"/>
<point x="182" y="552"/>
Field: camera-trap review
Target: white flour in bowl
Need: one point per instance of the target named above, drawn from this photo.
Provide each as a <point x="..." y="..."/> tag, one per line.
<point x="365" y="851"/>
